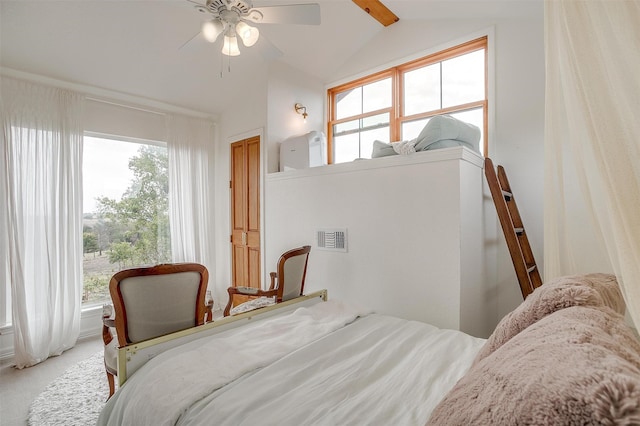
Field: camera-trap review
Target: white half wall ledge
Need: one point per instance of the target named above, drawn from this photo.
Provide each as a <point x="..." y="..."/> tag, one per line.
<point x="416" y="234"/>
<point x="437" y="155"/>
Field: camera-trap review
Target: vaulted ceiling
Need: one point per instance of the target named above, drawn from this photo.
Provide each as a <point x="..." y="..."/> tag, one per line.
<point x="136" y="46"/>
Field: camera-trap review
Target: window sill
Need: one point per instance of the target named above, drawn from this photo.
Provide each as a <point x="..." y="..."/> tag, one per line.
<point x="87" y="311"/>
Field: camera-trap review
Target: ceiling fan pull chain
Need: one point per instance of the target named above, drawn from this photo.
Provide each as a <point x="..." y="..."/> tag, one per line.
<point x="221" y="64"/>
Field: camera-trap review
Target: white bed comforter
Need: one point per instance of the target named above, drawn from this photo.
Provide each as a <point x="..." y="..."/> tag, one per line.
<point x="167" y="385"/>
<point x="306" y="368"/>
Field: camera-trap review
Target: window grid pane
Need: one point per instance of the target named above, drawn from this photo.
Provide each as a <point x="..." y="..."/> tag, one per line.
<point x="347" y="148"/>
<point x="376" y="96"/>
<point x="463" y="79"/>
<point x="354" y="139"/>
<point x="443" y="83"/>
<point x="422" y="90"/>
<point x="349" y="103"/>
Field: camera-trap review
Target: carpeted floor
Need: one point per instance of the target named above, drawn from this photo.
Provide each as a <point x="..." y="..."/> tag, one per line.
<point x="75" y="398"/>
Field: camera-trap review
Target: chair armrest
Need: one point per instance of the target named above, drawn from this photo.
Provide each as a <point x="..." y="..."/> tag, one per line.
<point x="273" y="276"/>
<point x="107" y="324"/>
<point x="209" y="311"/>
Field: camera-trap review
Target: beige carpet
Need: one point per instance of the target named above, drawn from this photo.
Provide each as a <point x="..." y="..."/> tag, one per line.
<point x="75" y="398"/>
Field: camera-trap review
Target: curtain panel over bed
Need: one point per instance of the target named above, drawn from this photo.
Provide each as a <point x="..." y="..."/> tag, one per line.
<point x="190" y="144"/>
<point x="592" y="141"/>
<point x="42" y="175"/>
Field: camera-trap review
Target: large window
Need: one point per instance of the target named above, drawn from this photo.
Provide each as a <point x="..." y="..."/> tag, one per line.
<point x="397" y="103"/>
<point x="125" y="214"/>
<point x="126" y="219"/>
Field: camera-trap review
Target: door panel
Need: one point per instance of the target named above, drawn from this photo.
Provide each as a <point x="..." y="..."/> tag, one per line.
<point x="253" y="185"/>
<point x="239" y="264"/>
<point x="245" y="205"/>
<point x="238" y="186"/>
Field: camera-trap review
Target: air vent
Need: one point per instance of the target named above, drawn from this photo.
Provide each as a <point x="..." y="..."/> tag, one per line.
<point x="332" y="239"/>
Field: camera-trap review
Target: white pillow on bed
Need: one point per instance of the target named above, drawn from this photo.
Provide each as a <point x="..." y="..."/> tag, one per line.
<point x="443" y="127"/>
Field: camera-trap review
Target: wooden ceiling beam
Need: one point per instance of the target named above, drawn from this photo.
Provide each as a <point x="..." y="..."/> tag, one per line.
<point x="377" y="10"/>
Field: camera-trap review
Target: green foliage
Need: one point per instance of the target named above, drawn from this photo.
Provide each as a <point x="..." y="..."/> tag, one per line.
<point x="136" y="228"/>
<point x="120" y="253"/>
<point x="95" y="288"/>
<point x="89" y="242"/>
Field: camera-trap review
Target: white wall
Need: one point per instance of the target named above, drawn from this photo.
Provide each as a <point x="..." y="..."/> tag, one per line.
<point x="519" y="138"/>
<point x="286" y="87"/>
<point x="516" y="113"/>
<point x="415" y="234"/>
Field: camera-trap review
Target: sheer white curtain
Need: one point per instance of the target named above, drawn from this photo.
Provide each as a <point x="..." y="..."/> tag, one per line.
<point x="42" y="170"/>
<point x="592" y="139"/>
<point x="190" y="143"/>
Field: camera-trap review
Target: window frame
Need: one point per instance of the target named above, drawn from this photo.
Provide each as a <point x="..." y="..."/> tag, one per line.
<point x="396" y="73"/>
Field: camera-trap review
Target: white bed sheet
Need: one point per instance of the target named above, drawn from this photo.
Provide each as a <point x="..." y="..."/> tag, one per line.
<point x="374" y="370"/>
<point x="378" y="370"/>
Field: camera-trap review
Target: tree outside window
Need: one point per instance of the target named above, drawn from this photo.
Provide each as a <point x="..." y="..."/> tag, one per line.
<point x="126" y="226"/>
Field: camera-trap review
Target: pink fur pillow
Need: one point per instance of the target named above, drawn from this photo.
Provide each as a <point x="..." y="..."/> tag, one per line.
<point x="578" y="290"/>
<point x="577" y="366"/>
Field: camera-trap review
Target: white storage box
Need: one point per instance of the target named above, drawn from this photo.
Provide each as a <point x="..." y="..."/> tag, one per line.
<point x="301" y="152"/>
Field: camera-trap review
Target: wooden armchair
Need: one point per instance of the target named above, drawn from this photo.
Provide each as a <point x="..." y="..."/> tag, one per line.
<point x="151" y="302"/>
<point x="286" y="283"/>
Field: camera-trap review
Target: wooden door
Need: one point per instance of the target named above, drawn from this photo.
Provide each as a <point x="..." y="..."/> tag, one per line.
<point x="245" y="213"/>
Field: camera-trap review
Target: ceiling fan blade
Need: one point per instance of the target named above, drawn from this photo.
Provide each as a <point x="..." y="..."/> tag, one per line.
<point x="377" y="10"/>
<point x="301" y="14"/>
<point x="196" y="39"/>
<point x="197" y="43"/>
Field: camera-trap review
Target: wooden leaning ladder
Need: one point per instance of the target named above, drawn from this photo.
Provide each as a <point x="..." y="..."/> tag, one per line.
<point x="513" y="229"/>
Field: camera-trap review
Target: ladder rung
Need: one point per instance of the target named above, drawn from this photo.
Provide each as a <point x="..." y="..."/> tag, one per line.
<point x="531" y="268"/>
<point x="507" y="195"/>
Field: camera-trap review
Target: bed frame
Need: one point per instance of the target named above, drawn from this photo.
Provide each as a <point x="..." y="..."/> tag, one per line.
<point x="132" y="357"/>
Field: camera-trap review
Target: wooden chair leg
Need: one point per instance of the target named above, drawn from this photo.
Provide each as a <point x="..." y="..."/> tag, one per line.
<point x="111" y="384"/>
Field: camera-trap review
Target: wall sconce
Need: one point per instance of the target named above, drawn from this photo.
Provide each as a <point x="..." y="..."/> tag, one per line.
<point x="301" y="109"/>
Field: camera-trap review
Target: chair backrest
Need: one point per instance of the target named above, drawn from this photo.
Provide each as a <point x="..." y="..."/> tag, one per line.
<point x="154" y="301"/>
<point x="292" y="270"/>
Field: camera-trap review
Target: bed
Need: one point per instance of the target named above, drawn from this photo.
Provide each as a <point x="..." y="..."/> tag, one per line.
<point x="327" y="363"/>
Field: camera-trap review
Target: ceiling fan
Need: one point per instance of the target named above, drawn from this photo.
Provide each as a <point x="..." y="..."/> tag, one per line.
<point x="233" y="19"/>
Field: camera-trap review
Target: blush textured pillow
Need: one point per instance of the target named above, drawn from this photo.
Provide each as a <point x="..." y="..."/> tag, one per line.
<point x="576" y="366"/>
<point x="577" y="290"/>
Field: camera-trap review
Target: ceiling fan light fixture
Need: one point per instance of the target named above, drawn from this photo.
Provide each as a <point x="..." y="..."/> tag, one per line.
<point x="230" y="46"/>
<point x="247" y="33"/>
<point x="212" y="29"/>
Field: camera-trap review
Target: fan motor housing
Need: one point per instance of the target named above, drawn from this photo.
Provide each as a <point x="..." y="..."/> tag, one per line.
<point x="216" y="6"/>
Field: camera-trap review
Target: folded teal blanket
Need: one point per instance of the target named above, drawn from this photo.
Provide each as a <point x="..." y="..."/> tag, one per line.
<point x="442" y="131"/>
